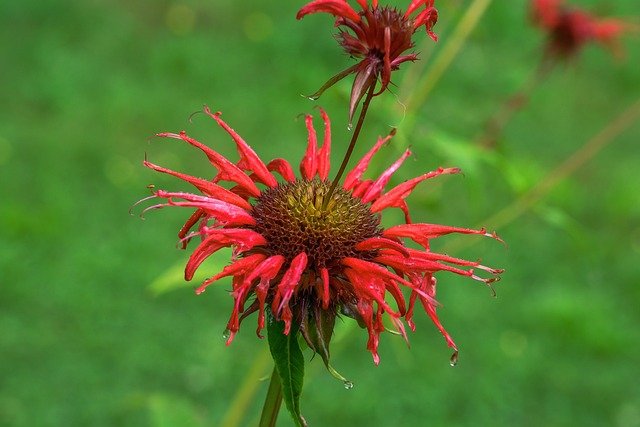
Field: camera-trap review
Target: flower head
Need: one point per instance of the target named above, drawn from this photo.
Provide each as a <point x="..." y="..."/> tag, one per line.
<point x="570" y="28"/>
<point x="305" y="259"/>
<point x="379" y="37"/>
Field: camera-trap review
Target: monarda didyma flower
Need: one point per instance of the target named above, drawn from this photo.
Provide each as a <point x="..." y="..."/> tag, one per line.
<point x="569" y="28"/>
<point x="380" y="37"/>
<point x="304" y="257"/>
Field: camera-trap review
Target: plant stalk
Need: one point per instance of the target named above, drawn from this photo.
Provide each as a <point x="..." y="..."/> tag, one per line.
<point x="272" y="402"/>
<point x="352" y="144"/>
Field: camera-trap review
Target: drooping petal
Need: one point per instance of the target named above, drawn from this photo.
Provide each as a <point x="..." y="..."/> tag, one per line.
<point x="227" y="170"/>
<point x="244" y="239"/>
<point x="428" y="18"/>
<point x="286" y="289"/>
<point x="427" y="284"/>
<point x="365" y="80"/>
<point x="266" y="271"/>
<point x="324" y="276"/>
<point x="188" y="225"/>
<point x="338" y="8"/>
<point x="207" y="188"/>
<point x="241" y="266"/>
<point x="370" y="272"/>
<point x="249" y="160"/>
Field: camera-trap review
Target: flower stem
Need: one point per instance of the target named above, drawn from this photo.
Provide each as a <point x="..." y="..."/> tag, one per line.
<point x="272" y="402"/>
<point x="352" y="144"/>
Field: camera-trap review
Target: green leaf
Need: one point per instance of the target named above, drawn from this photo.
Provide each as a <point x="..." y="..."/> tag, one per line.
<point x="319" y="329"/>
<point x="289" y="363"/>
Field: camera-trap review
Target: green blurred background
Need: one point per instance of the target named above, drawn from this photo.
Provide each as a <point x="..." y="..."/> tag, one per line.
<point x="97" y="327"/>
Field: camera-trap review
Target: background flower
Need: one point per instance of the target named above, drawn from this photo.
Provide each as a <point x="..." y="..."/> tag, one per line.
<point x="569" y="28"/>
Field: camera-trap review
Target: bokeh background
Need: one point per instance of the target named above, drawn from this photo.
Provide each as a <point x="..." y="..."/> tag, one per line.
<point x="96" y="326"/>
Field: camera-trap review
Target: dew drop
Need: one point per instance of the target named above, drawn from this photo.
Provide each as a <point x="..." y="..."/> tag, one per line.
<point x="226" y="334"/>
<point x="350" y="127"/>
<point x="454" y="359"/>
<point x="348" y="385"/>
<point x="312" y="98"/>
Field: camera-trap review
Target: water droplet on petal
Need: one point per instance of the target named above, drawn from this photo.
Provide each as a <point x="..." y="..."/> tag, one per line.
<point x="454" y="359"/>
<point x="226" y="334"/>
<point x="350" y="126"/>
<point x="348" y="385"/>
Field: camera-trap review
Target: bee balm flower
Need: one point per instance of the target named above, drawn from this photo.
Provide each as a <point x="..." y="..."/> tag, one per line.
<point x="306" y="259"/>
<point x="570" y="28"/>
<point x="379" y="37"/>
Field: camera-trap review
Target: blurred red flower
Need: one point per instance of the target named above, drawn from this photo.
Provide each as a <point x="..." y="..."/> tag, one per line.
<point x="569" y="28"/>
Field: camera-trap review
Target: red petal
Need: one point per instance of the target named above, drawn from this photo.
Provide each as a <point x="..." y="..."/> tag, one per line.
<point x="226" y="213"/>
<point x="428" y="18"/>
<point x="283" y="168"/>
<point x="353" y="177"/>
<point x="395" y="197"/>
<point x="338" y="8"/>
<point x="266" y="271"/>
<point x="428" y="285"/>
<point x="376" y="189"/>
<point x="380" y="243"/>
<point x="239" y="268"/>
<point x="227" y="170"/>
<point x="309" y="165"/>
<point x="249" y="160"/>
<point x="324" y="153"/>
<point x="243" y="239"/>
<point x="286" y="289"/>
<point x="370" y="271"/>
<point x="208" y="188"/>
<point x="421" y="233"/>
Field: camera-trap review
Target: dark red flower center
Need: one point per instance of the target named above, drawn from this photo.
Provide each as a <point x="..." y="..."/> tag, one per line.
<point x="369" y="40"/>
<point x="291" y="218"/>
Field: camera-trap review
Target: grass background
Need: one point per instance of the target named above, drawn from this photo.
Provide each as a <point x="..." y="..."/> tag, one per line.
<point x="96" y="327"/>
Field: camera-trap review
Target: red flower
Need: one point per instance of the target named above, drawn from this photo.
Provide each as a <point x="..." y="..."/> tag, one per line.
<point x="570" y="28"/>
<point x="380" y="38"/>
<point x="307" y="264"/>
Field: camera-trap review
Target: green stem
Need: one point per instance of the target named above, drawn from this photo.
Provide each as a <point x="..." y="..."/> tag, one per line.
<point x="272" y="402"/>
<point x="352" y="144"/>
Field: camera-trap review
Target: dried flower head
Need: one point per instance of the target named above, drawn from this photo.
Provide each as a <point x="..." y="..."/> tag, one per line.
<point x="570" y="28"/>
<point x="379" y="37"/>
<point x="306" y="263"/>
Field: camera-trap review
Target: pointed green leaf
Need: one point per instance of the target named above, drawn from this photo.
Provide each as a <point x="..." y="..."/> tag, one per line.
<point x="289" y="363"/>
